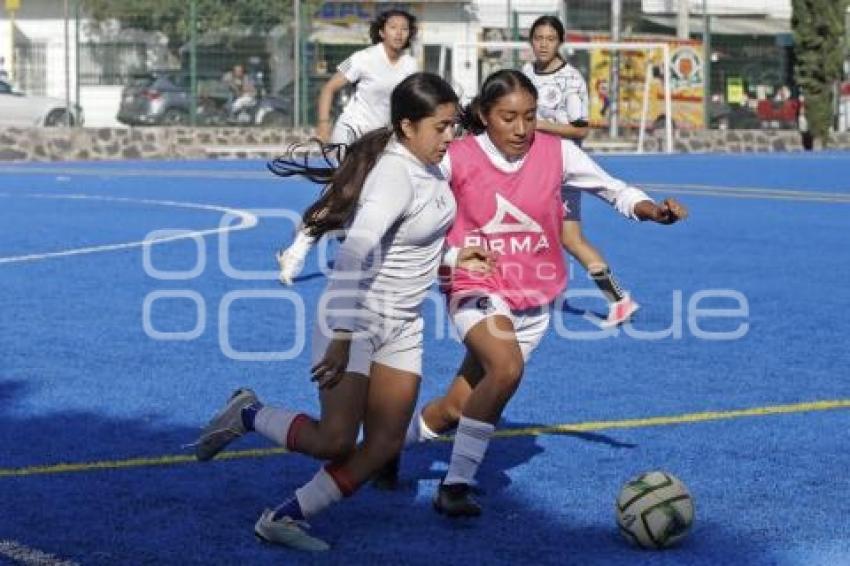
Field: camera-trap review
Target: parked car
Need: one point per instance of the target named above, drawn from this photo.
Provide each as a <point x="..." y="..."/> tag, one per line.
<point x="19" y="109"/>
<point x="162" y="98"/>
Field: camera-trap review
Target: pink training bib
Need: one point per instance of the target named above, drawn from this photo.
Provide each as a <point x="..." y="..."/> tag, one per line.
<point x="517" y="215"/>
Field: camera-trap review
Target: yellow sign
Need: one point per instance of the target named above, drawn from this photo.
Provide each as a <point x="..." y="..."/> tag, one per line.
<point x="13" y="5"/>
<point x="735" y="90"/>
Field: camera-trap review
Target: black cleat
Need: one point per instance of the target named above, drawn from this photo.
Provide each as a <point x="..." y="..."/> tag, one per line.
<point x="456" y="500"/>
<point x="386" y="478"/>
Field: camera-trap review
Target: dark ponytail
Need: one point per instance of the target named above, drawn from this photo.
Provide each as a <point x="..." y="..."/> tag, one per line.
<point x="290" y="164"/>
<point x="498" y="84"/>
<point x="415" y="98"/>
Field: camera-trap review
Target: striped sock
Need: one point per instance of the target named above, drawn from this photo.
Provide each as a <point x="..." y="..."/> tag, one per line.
<point x="468" y="450"/>
<point x="608" y="284"/>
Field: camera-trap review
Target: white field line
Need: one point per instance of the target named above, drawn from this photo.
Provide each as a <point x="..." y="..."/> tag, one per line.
<point x="247" y="221"/>
<point x="749" y="192"/>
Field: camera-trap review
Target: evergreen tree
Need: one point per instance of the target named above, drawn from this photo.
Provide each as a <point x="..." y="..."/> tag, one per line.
<point x="820" y="48"/>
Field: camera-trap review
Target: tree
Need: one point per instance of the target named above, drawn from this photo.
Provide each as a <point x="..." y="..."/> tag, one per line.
<point x="819" y="48"/>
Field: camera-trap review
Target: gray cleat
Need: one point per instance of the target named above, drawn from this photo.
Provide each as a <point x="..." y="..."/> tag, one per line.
<point x="225" y="427"/>
<point x="287" y="532"/>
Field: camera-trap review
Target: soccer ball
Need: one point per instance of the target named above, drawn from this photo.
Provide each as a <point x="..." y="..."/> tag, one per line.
<point x="654" y="510"/>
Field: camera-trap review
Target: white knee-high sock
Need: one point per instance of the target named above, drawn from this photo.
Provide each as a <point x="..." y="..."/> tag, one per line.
<point x="418" y="431"/>
<point x="302" y="243"/>
<point x="468" y="451"/>
<point x="329" y="485"/>
<point x="274" y="423"/>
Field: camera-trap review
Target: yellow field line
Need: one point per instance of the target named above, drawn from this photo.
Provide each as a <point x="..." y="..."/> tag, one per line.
<point x="688" y="418"/>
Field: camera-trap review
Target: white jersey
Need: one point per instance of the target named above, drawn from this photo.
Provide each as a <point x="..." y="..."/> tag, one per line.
<point x="562" y="94"/>
<point x="375" y="78"/>
<point x="393" y="247"/>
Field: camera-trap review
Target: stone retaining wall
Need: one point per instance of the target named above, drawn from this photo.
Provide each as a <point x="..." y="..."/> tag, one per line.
<point x="58" y="144"/>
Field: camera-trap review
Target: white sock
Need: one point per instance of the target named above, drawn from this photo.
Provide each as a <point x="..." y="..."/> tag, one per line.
<point x="468" y="450"/>
<point x="318" y="494"/>
<point x="274" y="423"/>
<point x="418" y="431"/>
<point x="301" y="245"/>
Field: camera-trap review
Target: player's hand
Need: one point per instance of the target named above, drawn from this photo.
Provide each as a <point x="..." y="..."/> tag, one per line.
<point x="476" y="260"/>
<point x="330" y="370"/>
<point x="670" y="211"/>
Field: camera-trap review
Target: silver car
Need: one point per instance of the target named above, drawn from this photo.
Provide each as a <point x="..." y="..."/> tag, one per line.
<point x="24" y="110"/>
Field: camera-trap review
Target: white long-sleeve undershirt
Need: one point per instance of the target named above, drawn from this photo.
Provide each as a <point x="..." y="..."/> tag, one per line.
<point x="394" y="244"/>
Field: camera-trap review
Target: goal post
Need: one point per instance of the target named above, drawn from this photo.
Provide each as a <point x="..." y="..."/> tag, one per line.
<point x="471" y="62"/>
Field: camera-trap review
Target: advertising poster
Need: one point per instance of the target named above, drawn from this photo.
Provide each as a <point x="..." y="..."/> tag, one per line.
<point x="686" y="81"/>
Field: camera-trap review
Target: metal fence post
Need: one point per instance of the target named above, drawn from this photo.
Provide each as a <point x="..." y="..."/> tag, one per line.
<point x="77" y="54"/>
<point x="706" y="62"/>
<point x="296" y="87"/>
<point x="614" y="80"/>
<point x="67" y="38"/>
<point x="193" y="62"/>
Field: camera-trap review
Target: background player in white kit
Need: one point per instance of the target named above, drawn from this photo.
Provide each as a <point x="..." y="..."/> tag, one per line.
<point x="562" y="110"/>
<point x="375" y="71"/>
<point x="396" y="207"/>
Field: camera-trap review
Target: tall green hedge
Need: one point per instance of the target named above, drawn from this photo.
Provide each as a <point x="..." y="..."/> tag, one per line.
<point x="820" y="48"/>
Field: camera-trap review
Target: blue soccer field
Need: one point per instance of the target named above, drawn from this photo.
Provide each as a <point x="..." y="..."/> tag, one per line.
<point x="733" y="375"/>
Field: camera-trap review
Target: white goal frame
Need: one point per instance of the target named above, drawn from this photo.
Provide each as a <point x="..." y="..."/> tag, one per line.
<point x="465" y="56"/>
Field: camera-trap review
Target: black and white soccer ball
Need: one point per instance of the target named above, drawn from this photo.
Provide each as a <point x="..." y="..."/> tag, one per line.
<point x="655" y="510"/>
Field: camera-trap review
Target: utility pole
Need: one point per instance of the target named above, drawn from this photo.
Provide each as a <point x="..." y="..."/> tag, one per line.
<point x="706" y="62"/>
<point x="12" y="6"/>
<point x="67" y="64"/>
<point x="77" y="55"/>
<point x="296" y="68"/>
<point x="683" y="23"/>
<point x="193" y="62"/>
<point x="614" y="79"/>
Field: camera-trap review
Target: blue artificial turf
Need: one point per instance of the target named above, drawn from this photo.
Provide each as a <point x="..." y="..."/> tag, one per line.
<point x="81" y="381"/>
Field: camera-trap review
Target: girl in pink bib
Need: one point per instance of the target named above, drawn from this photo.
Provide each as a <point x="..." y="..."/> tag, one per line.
<point x="507" y="182"/>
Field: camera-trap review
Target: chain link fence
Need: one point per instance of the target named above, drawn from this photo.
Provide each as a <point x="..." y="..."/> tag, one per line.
<point x="263" y="62"/>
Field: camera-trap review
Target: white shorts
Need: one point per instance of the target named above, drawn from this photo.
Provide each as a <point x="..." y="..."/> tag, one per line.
<point x="530" y="324"/>
<point x="572" y="203"/>
<point x="393" y="343"/>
